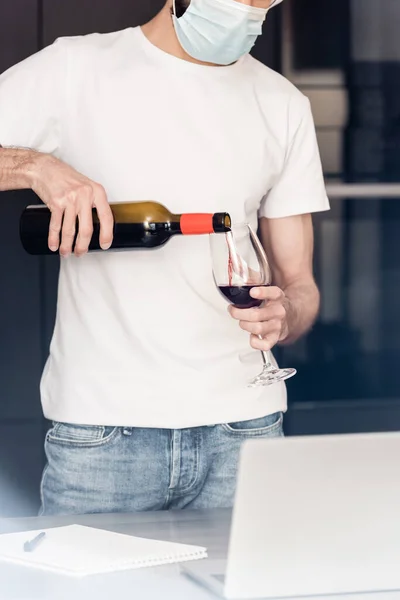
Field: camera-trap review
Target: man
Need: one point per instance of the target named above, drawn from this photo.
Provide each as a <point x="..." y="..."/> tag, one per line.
<point x="146" y="379"/>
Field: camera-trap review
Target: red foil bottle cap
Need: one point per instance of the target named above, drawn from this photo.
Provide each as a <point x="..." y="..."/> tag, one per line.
<point x="196" y="224"/>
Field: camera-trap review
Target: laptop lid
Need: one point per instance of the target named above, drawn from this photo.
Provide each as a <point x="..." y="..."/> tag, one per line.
<point x="316" y="515"/>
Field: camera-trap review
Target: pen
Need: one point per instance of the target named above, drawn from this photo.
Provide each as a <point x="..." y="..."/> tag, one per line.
<point x="31" y="545"/>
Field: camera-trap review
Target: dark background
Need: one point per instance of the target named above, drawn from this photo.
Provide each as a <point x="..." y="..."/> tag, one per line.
<point x="338" y="388"/>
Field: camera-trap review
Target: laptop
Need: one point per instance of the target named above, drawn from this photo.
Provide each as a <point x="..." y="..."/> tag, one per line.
<point x="313" y="516"/>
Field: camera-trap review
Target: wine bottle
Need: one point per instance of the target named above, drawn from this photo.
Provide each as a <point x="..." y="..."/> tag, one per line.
<point x="136" y="225"/>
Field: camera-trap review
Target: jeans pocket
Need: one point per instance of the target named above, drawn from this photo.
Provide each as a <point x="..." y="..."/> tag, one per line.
<point x="270" y="425"/>
<point x="82" y="436"/>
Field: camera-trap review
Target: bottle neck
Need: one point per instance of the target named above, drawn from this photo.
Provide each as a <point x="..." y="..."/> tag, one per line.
<point x="196" y="224"/>
<point x="203" y="223"/>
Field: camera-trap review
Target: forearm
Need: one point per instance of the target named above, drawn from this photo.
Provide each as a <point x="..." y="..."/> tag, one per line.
<point x="302" y="305"/>
<point x="18" y="168"/>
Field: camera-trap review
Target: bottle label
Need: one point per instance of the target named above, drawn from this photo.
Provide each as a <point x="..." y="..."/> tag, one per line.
<point x="196" y="224"/>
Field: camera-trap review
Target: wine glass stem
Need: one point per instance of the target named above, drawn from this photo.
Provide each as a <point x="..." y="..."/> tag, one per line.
<point x="266" y="364"/>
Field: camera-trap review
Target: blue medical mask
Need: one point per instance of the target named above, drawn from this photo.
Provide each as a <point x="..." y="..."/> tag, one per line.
<point x="219" y="31"/>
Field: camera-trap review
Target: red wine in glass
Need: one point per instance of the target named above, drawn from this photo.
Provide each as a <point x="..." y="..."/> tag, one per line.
<point x="239" y="264"/>
<point x="239" y="295"/>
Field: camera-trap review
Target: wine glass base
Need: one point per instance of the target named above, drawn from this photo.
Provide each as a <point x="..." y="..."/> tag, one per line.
<point x="270" y="376"/>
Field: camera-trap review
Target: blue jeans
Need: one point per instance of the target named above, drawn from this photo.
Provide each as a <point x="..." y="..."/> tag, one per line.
<point x="96" y="469"/>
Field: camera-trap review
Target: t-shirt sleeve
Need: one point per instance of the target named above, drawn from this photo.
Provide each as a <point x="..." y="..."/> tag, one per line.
<point x="32" y="100"/>
<point x="300" y="188"/>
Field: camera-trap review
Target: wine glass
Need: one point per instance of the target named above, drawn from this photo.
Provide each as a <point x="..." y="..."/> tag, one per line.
<point x="239" y="264"/>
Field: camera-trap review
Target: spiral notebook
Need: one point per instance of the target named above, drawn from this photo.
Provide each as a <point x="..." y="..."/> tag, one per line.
<point x="80" y="551"/>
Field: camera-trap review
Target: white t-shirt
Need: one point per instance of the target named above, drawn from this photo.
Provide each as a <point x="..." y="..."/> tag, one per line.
<point x="143" y="338"/>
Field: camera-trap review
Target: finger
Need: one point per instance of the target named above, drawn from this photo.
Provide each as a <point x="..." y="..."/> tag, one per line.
<point x="273" y="327"/>
<point x="265" y="344"/>
<point x="85" y="231"/>
<point x="267" y="293"/>
<point x="68" y="231"/>
<point x="106" y="218"/>
<point x="273" y="310"/>
<point x="54" y="229"/>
